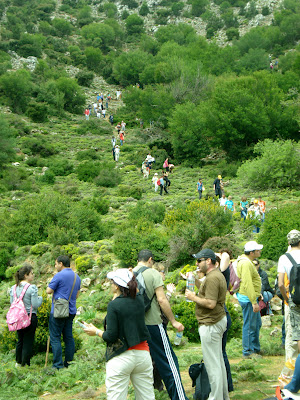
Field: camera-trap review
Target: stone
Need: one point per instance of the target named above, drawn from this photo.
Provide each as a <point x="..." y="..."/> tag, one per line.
<point x="266" y="321"/>
<point x="80" y="310"/>
<point x="86" y="282"/>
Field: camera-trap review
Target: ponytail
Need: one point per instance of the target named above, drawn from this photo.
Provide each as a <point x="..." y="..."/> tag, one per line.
<point x="131" y="290"/>
<point x="20" y="274"/>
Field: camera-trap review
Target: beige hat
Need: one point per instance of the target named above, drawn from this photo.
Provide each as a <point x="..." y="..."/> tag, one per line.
<point x="121" y="276"/>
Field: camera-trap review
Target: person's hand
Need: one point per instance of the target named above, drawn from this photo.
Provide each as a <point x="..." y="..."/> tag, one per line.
<point x="178" y="325"/>
<point x="255" y="307"/>
<point x="90" y="329"/>
<point x="190" y="295"/>
<point x="183" y="275"/>
<point x="171" y="288"/>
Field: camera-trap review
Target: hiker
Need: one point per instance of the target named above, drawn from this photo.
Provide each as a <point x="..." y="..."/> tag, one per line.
<point x="117" y="153"/>
<point x="154" y="181"/>
<point x="113" y="141"/>
<point x="87" y="114"/>
<point x="64" y="285"/>
<point x="244" y="207"/>
<point x="162" y="184"/>
<point x="217" y="186"/>
<point x="114" y="153"/>
<point x="266" y="291"/>
<point x="111" y="119"/>
<point x="123" y="126"/>
<point x="292" y="310"/>
<point x="211" y="316"/>
<point x="255" y="213"/>
<point x="159" y="344"/>
<point x="24" y="276"/>
<point x="166" y="164"/>
<point x="223" y="200"/>
<point x="262" y="205"/>
<point x="118" y="127"/>
<point x="125" y="325"/>
<point x="229" y="205"/>
<point x="121" y="136"/>
<point x="248" y="294"/>
<point x="166" y="179"/>
<point x="145" y="170"/>
<point x="200" y="188"/>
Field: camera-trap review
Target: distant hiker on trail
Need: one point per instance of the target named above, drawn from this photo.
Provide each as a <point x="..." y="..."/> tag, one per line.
<point x="118" y="127"/>
<point x="166" y="164"/>
<point x="200" y="188"/>
<point x="141" y="124"/>
<point x="145" y="170"/>
<point x="64" y="285"/>
<point x="162" y="184"/>
<point x="150" y="160"/>
<point x="119" y="94"/>
<point x="87" y="114"/>
<point x="111" y="119"/>
<point x="113" y="141"/>
<point x="229" y="205"/>
<point x="123" y="126"/>
<point x="262" y="205"/>
<point x="98" y="113"/>
<point x="106" y="102"/>
<point x="121" y="136"/>
<point x="104" y="113"/>
<point x="223" y="200"/>
<point x="244" y="207"/>
<point x="154" y="181"/>
<point x="166" y="179"/>
<point x="114" y="153"/>
<point x="255" y="213"/>
<point x="117" y="153"/>
<point x="217" y="186"/>
<point x="127" y="353"/>
<point x="24" y="276"/>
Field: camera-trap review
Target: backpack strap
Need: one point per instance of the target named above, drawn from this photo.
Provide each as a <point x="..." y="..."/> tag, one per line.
<point x="140" y="271"/>
<point x="75" y="276"/>
<point x="291" y="259"/>
<point x="26" y="286"/>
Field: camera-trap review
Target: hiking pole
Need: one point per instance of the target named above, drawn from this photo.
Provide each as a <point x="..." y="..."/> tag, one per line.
<point x="47" y="352"/>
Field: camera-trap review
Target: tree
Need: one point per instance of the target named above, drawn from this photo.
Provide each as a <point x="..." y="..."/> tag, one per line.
<point x="144" y="10"/>
<point x="110" y="10"/>
<point x="187" y="137"/>
<point x="198" y="7"/>
<point x="74" y="98"/>
<point x="94" y="59"/>
<point x="62" y="27"/>
<point x="7" y="142"/>
<point x="16" y="87"/>
<point x="134" y="25"/>
<point x="128" y="66"/>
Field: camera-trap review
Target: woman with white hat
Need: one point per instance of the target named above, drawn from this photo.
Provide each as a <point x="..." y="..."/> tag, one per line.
<point x="126" y="335"/>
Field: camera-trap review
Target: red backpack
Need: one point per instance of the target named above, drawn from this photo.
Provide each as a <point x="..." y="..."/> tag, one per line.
<point x="17" y="317"/>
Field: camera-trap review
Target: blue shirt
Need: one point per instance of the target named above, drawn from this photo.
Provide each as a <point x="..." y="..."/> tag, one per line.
<point x="200" y="186"/>
<point x="62" y="284"/>
<point x="229" y="205"/>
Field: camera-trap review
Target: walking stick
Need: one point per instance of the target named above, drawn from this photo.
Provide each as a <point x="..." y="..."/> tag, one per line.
<point x="47" y="352"/>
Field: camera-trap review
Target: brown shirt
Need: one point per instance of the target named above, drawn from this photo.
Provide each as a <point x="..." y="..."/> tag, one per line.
<point x="213" y="288"/>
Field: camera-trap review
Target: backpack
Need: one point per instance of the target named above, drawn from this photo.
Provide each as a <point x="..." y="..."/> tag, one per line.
<point x="200" y="379"/>
<point x="17" y="317"/>
<point x="158" y="182"/>
<point x="142" y="288"/>
<point x="294" y="280"/>
<point x="234" y="279"/>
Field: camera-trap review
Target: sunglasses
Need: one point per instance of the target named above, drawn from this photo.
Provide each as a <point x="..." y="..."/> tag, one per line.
<point x="200" y="259"/>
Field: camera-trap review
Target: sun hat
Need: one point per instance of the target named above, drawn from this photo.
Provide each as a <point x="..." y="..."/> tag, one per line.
<point x="252" y="246"/>
<point x="121" y="276"/>
<point x="219" y="176"/>
<point x="205" y="253"/>
<point x="293" y="236"/>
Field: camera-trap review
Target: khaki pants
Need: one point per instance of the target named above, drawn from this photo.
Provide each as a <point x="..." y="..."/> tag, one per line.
<point x="134" y="365"/>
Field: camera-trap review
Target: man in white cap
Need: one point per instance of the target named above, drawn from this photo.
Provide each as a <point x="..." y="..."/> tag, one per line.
<point x="248" y="295"/>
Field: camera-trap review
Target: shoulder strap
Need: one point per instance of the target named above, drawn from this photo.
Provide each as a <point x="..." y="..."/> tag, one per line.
<point x="15" y="292"/>
<point x="26" y="286"/>
<point x="141" y="270"/>
<point x="75" y="276"/>
<point x="291" y="259"/>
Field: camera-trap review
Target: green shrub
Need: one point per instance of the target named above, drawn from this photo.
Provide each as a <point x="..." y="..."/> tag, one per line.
<point x="144" y="10"/>
<point x="236" y="320"/>
<point x="90" y="154"/>
<point x="232" y="33"/>
<point x="38" y="144"/>
<point x="265" y="11"/>
<point x="276" y="226"/>
<point x="70" y="249"/>
<point x="87" y="171"/>
<point x="85" y="78"/>
<point x="6" y="255"/>
<point x="108" y="177"/>
<point x="48" y="177"/>
<point x="38" y="112"/>
<point x="60" y="167"/>
<point x="154" y="212"/>
<point x="39" y="248"/>
<point x="101" y="205"/>
<point x="186" y="315"/>
<point x="277" y="162"/>
<point x="11" y="271"/>
<point x="218" y="243"/>
<point x="83" y="263"/>
<point x="130" y="191"/>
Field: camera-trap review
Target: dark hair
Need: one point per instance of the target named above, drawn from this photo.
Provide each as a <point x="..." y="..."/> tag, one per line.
<point x="65" y="260"/>
<point x="295" y="244"/>
<point x="20" y="274"/>
<point x="226" y="251"/>
<point x="247" y="253"/>
<point x="218" y="260"/>
<point x="131" y="290"/>
<point x="214" y="261"/>
<point x="144" y="255"/>
<point x="255" y="259"/>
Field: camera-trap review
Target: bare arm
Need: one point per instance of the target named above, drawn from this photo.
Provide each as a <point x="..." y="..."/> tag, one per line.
<point x="207" y="303"/>
<point x="49" y="290"/>
<point x="166" y="308"/>
<point x="281" y="286"/>
<point x="225" y="261"/>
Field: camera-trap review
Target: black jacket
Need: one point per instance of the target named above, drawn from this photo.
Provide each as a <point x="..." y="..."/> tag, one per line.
<point x="125" y="325"/>
<point x="265" y="285"/>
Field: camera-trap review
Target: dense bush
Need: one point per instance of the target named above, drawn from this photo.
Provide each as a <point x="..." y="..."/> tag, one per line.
<point x="154" y="212"/>
<point x="7" y="142"/>
<point x="38" y="112"/>
<point x="83" y="263"/>
<point x="38" y="144"/>
<point x="6" y="255"/>
<point x="277" y="225"/>
<point x="186" y="315"/>
<point x="130" y="191"/>
<point x="88" y="170"/>
<point x="85" y="78"/>
<point x="218" y="243"/>
<point x="277" y="162"/>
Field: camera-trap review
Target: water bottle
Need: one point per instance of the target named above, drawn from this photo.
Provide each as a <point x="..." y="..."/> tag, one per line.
<point x="178" y="338"/>
<point x="190" y="283"/>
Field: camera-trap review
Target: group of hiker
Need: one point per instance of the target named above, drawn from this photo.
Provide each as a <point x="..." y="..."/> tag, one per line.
<point x="135" y="328"/>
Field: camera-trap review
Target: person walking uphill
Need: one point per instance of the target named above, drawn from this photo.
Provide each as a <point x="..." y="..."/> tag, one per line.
<point x="64" y="285"/>
<point x="24" y="276"/>
<point x="211" y="316"/>
<point x="126" y="335"/>
<point x="159" y="344"/>
<point x="248" y="295"/>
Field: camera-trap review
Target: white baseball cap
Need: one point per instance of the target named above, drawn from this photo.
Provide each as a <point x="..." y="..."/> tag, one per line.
<point x="121" y="276"/>
<point x="252" y="246"/>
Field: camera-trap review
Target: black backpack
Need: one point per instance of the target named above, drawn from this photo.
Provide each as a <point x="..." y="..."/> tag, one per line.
<point x="142" y="287"/>
<point x="294" y="280"/>
<point x="200" y="379"/>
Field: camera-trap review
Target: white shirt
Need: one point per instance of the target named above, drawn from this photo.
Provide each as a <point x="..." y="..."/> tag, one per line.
<point x="222" y="201"/>
<point x="284" y="264"/>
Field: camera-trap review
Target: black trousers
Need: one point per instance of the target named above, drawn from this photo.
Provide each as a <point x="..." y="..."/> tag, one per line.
<point x="25" y="342"/>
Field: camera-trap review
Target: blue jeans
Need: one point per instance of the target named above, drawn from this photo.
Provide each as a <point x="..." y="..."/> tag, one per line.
<point x="251" y="327"/>
<point x="58" y="327"/>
